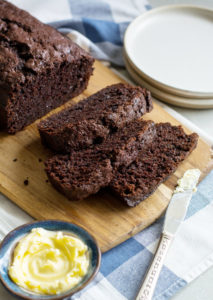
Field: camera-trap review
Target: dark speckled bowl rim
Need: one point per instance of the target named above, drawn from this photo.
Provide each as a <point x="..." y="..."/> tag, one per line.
<point x="66" y="294"/>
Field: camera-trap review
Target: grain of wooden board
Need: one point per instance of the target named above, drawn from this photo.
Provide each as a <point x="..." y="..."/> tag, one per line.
<point x="106" y="217"/>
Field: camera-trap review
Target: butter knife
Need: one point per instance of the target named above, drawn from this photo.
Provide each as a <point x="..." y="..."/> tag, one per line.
<point x="175" y="215"/>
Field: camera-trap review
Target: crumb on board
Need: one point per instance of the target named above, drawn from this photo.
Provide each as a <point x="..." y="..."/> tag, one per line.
<point x="40" y="160"/>
<point x="26" y="181"/>
<point x="15" y="159"/>
<point x="47" y="180"/>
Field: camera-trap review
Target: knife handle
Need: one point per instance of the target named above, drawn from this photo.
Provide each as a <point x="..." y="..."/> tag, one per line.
<point x="147" y="289"/>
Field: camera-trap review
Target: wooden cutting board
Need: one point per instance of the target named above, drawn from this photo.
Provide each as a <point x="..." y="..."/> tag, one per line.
<point x="107" y="218"/>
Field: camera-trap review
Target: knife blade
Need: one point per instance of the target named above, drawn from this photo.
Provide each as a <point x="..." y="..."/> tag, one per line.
<point x="179" y="202"/>
<point x="175" y="215"/>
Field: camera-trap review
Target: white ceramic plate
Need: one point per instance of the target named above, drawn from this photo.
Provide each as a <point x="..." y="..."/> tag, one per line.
<point x="172" y="47"/>
<point x="166" y="97"/>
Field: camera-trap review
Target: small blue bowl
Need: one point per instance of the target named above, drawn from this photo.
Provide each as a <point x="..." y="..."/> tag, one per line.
<point x="10" y="241"/>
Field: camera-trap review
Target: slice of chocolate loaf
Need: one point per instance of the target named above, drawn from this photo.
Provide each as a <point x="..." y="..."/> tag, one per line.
<point x="79" y="174"/>
<point x="123" y="146"/>
<point x="39" y="68"/>
<point x="93" y="119"/>
<point x="154" y="164"/>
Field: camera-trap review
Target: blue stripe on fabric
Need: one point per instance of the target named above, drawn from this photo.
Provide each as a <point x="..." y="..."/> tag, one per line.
<point x="122" y="27"/>
<point x="95" y="9"/>
<point x="203" y="196"/>
<point x="128" y="283"/>
<point x="168" y="283"/>
<point x="171" y="290"/>
<point x="100" y="31"/>
<point x="115" y="257"/>
<point x="148" y="6"/>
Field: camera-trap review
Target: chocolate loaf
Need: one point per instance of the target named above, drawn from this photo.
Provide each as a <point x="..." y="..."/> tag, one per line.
<point x="39" y="68"/>
<point x="80" y="174"/>
<point x="154" y="164"/>
<point x="93" y="119"/>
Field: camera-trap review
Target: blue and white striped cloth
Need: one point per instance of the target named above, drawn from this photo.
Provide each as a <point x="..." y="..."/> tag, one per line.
<point x="96" y="25"/>
<point x="123" y="268"/>
<point x="99" y="25"/>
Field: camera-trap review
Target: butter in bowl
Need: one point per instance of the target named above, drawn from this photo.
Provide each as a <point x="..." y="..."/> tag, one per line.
<point x="48" y="260"/>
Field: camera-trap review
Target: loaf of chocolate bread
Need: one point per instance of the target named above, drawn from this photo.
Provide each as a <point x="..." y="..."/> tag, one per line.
<point x="154" y="164"/>
<point x="93" y="119"/>
<point x="39" y="68"/>
<point x="79" y="174"/>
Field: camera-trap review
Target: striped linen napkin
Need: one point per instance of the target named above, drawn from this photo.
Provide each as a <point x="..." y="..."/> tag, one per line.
<point x="99" y="25"/>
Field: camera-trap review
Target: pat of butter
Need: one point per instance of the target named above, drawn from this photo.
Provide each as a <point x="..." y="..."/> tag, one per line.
<point x="49" y="262"/>
<point x="188" y="181"/>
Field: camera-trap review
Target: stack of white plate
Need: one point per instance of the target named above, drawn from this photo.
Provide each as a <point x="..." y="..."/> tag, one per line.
<point x="169" y="50"/>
